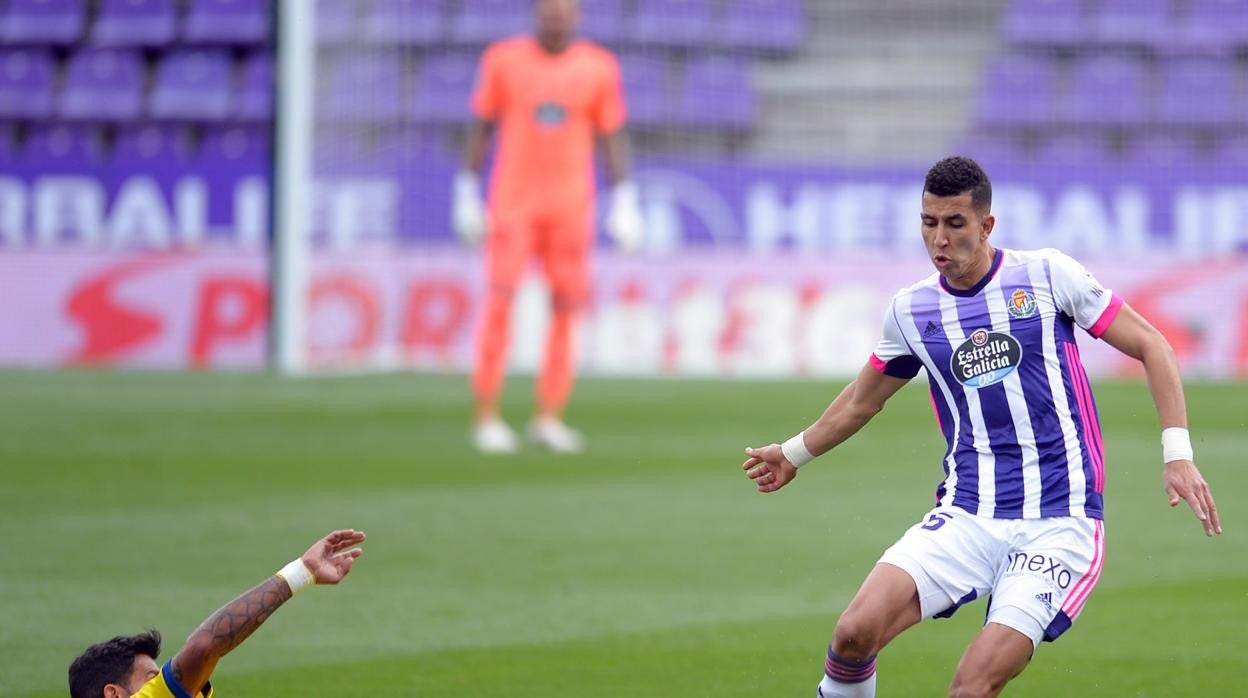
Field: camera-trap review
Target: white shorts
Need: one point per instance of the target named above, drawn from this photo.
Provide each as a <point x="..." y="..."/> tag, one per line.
<point x="1039" y="572"/>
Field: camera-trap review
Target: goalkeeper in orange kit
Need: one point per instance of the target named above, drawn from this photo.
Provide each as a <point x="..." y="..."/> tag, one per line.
<point x="551" y="96"/>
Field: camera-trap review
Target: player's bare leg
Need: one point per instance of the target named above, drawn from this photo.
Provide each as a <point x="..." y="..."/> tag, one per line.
<point x="996" y="655"/>
<point x="885" y="605"/>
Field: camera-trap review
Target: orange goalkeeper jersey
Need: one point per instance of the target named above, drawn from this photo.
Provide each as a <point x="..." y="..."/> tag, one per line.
<point x="548" y="107"/>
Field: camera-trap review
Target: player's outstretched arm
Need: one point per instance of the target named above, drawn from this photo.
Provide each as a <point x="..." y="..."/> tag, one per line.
<point x="1132" y="335"/>
<point x="774" y="466"/>
<point x="326" y="562"/>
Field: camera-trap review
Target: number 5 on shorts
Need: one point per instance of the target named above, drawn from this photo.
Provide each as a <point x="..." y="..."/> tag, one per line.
<point x="935" y="521"/>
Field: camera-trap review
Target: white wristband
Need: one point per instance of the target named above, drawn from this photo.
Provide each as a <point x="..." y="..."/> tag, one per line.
<point x="297" y="575"/>
<point x="1176" y="444"/>
<point x="795" y="450"/>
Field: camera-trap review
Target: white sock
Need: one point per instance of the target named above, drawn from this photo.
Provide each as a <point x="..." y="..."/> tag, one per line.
<point x="835" y="689"/>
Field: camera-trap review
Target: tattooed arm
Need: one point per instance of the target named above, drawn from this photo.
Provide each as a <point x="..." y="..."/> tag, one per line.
<point x="329" y="560"/>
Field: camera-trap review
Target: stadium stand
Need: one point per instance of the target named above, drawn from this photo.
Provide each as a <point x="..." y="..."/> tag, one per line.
<point x="1127" y="72"/>
<point x="688" y="65"/>
<point x="1157" y="82"/>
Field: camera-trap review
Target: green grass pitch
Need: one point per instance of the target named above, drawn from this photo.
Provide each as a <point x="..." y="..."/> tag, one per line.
<point x="647" y="567"/>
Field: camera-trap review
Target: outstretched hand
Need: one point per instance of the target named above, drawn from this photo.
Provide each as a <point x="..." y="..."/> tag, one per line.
<point x="329" y="559"/>
<point x="1184" y="482"/>
<point x="768" y="468"/>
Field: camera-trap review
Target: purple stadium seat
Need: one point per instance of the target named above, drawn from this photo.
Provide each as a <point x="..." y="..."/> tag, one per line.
<point x="1196" y="91"/>
<point x="1214" y="25"/>
<point x="232" y="144"/>
<point x="1108" y="89"/>
<point x="1074" y="150"/>
<point x="603" y="20"/>
<point x="255" y="99"/>
<point x="1052" y="22"/>
<point x="646" y="93"/>
<point x="103" y="84"/>
<point x="42" y="21"/>
<point x="150" y="143"/>
<point x="193" y="84"/>
<point x="335" y="21"/>
<point x="363" y="88"/>
<point x="404" y="21"/>
<point x="227" y="21"/>
<point x="673" y="22"/>
<point x="481" y="21"/>
<point x="717" y="93"/>
<point x="135" y="23"/>
<point x="1017" y="90"/>
<point x="995" y="149"/>
<point x="1232" y="152"/>
<point x="444" y="89"/>
<point x="1133" y="22"/>
<point x="71" y="146"/>
<point x="402" y="147"/>
<point x="764" y="25"/>
<point x="1162" y="151"/>
<point x="27" y="83"/>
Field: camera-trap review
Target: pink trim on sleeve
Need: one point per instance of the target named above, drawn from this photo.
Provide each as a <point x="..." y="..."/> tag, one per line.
<point x="1111" y="312"/>
<point x="877" y="363"/>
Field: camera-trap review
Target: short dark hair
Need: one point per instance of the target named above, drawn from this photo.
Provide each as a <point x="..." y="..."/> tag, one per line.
<point x="109" y="662"/>
<point x="957" y="175"/>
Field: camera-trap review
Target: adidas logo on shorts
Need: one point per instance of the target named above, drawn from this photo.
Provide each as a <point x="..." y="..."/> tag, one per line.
<point x="1046" y="598"/>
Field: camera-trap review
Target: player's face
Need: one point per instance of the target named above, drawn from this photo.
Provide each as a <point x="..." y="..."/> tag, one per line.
<point x="956" y="235"/>
<point x="557" y="19"/>
<point x="145" y="669"/>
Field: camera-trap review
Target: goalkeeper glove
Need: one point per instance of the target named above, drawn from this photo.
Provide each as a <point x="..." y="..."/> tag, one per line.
<point x="624" y="221"/>
<point x="468" y="211"/>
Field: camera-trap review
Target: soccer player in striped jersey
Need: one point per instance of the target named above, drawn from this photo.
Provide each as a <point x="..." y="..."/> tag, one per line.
<point x="126" y="665"/>
<point x="1019" y="513"/>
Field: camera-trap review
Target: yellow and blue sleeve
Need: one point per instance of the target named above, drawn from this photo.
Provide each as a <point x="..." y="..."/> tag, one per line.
<point x="164" y="685"/>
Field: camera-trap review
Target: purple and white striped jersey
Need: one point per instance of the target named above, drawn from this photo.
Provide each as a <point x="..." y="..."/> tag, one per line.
<point x="1010" y="394"/>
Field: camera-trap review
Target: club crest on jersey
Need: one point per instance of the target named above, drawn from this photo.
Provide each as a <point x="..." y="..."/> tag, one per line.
<point x="1021" y="304"/>
<point x="985" y="358"/>
<point x="550" y="114"/>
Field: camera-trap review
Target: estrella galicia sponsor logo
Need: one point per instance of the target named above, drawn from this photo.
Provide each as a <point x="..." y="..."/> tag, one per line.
<point x="550" y="114"/>
<point x="1021" y="304"/>
<point x="985" y="358"/>
<point x="1046" y="567"/>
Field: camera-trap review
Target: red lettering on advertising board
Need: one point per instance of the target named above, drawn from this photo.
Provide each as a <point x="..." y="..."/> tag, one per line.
<point x="229" y="309"/>
<point x="110" y="328"/>
<point x="364" y="308"/>
<point x="436" y="312"/>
